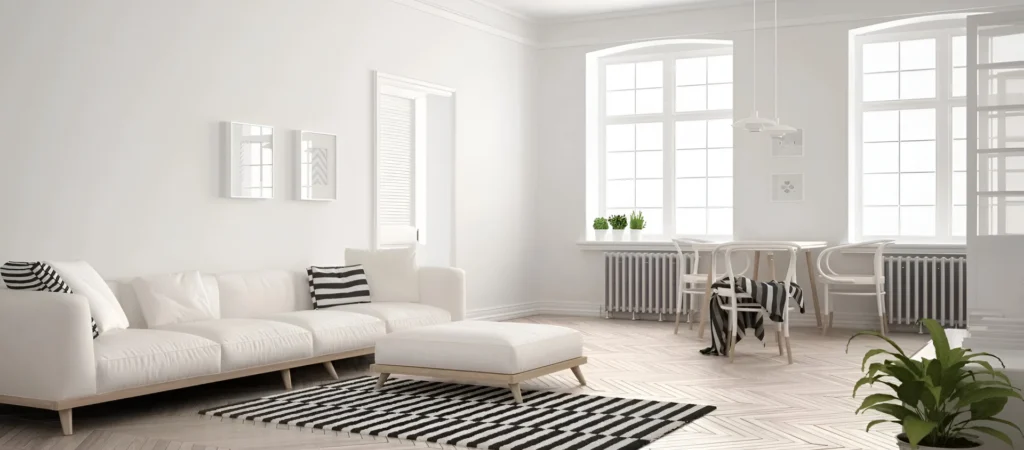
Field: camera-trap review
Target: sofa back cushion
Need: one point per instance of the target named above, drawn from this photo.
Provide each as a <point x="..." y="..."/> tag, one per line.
<point x="125" y="294"/>
<point x="246" y="295"/>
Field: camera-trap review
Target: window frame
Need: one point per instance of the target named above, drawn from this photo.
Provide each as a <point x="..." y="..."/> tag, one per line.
<point x="943" y="103"/>
<point x="668" y="118"/>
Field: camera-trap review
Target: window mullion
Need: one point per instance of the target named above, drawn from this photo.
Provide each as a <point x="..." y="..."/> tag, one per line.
<point x="668" y="145"/>
<point x="944" y="138"/>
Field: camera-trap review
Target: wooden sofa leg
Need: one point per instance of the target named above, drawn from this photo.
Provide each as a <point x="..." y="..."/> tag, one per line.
<point x="286" y="376"/>
<point x="65" y="421"/>
<point x="330" y="369"/>
<point x="578" y="371"/>
<point x="383" y="378"/>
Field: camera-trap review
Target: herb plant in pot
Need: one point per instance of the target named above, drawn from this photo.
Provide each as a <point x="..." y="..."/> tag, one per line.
<point x="941" y="403"/>
<point x="636" y="225"/>
<point x="600" y="228"/>
<point x="618" y="223"/>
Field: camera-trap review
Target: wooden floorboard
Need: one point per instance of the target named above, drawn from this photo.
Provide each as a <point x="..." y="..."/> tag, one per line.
<point x="763" y="403"/>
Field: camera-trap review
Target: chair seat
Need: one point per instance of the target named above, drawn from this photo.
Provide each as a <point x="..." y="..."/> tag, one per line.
<point x="853" y="279"/>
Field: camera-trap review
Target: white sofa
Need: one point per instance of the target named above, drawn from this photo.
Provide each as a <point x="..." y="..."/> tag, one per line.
<point x="49" y="360"/>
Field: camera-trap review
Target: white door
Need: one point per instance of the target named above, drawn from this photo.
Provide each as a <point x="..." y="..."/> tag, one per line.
<point x="995" y="163"/>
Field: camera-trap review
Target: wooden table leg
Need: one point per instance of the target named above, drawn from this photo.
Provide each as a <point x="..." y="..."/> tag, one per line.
<point x="757" y="263"/>
<point x="704" y="307"/>
<point x="813" y="281"/>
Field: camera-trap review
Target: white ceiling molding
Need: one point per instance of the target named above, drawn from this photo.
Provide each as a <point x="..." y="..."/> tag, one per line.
<point x="504" y="10"/>
<point x="645" y="12"/>
<point x="725" y="21"/>
<point x="463" y="18"/>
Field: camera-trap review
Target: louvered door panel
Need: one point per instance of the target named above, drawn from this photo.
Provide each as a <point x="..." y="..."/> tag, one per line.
<point x="396" y="141"/>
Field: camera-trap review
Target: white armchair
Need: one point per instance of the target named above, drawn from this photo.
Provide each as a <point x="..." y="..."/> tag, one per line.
<point x="876" y="279"/>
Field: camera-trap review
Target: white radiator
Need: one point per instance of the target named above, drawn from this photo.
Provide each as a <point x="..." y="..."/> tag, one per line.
<point x="642" y="283"/>
<point x="933" y="287"/>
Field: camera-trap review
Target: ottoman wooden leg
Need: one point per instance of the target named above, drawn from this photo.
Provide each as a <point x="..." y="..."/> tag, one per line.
<point x="330" y="370"/>
<point x="286" y="377"/>
<point x="579" y="375"/>
<point x="516" y="393"/>
<point x="380" y="381"/>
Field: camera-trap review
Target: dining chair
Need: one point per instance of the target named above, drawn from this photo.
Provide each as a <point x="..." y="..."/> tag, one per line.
<point x="736" y="306"/>
<point x="876" y="279"/>
<point x="693" y="282"/>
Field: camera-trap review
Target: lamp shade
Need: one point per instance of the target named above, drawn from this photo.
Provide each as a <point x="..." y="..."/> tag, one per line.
<point x="778" y="130"/>
<point x="754" y="124"/>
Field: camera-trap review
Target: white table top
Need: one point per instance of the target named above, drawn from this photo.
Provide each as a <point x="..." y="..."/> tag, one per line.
<point x="804" y="245"/>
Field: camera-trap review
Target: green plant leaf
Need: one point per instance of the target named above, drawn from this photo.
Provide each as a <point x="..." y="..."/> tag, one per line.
<point x="986" y="393"/>
<point x="1007" y="422"/>
<point x="987" y="408"/>
<point x="876" y="422"/>
<point x="939" y="340"/>
<point x="993" y="432"/>
<point x="910" y="392"/>
<point x="917" y="429"/>
<point x="980" y="354"/>
<point x="900" y="412"/>
<point x="877" y="335"/>
<point x="863" y="381"/>
<point x="871" y="353"/>
<point x="874" y="399"/>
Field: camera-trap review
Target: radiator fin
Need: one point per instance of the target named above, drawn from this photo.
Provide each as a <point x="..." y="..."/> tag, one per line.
<point x="642" y="282"/>
<point x="933" y="287"/>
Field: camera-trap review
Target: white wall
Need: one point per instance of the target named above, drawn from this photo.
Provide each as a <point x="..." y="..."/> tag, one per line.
<point x="813" y="53"/>
<point x="110" y="115"/>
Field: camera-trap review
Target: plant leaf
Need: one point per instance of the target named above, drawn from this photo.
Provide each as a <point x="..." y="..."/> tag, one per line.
<point x="877" y="335"/>
<point x="939" y="340"/>
<point x="900" y="412"/>
<point x="917" y="429"/>
<point x="986" y="393"/>
<point x="987" y="408"/>
<point x="975" y="355"/>
<point x="874" y="399"/>
<point x="910" y="393"/>
<point x="868" y="356"/>
<point x="1007" y="422"/>
<point x="876" y="422"/>
<point x="863" y="381"/>
<point x="993" y="432"/>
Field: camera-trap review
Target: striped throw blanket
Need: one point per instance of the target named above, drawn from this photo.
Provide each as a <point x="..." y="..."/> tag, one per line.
<point x="770" y="295"/>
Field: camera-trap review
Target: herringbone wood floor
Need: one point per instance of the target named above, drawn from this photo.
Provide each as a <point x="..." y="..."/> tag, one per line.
<point x="762" y="403"/>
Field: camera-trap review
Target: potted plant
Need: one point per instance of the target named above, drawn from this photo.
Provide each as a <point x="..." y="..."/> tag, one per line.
<point x="940" y="403"/>
<point x="600" y="228"/>
<point x="618" y="223"/>
<point x="636" y="225"/>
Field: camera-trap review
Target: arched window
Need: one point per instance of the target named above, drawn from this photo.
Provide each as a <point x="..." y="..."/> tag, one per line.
<point x="908" y="130"/>
<point x="660" y="136"/>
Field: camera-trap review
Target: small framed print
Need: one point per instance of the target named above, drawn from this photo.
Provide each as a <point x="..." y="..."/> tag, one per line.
<point x="788" y="187"/>
<point x="789" y="145"/>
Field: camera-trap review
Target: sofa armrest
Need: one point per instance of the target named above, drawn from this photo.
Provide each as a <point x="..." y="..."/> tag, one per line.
<point x="46" y="348"/>
<point x="445" y="288"/>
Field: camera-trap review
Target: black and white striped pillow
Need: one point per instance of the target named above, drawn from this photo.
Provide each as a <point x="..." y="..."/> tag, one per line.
<point x="335" y="286"/>
<point x="37" y="276"/>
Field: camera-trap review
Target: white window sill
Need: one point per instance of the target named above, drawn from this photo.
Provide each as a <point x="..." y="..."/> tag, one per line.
<point x="661" y="244"/>
<point x="919" y="249"/>
<point x="657" y="245"/>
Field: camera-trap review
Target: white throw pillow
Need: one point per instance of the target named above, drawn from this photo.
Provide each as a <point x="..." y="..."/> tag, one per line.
<point x="85" y="281"/>
<point x="173" y="298"/>
<point x="392" y="273"/>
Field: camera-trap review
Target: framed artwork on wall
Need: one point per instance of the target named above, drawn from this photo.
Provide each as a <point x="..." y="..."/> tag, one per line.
<point x="318" y="166"/>
<point x="788" y="187"/>
<point x="789" y="145"/>
<point x="249" y="151"/>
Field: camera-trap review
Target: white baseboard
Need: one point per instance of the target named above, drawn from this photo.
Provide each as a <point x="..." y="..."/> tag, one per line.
<point x="509" y="312"/>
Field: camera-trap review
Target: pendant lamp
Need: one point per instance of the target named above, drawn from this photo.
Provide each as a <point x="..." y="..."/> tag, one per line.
<point x="754" y="123"/>
<point x="777" y="129"/>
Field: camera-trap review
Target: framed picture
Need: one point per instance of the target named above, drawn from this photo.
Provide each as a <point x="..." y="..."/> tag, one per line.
<point x="249" y="152"/>
<point x="788" y="187"/>
<point x="790" y="145"/>
<point x="318" y="166"/>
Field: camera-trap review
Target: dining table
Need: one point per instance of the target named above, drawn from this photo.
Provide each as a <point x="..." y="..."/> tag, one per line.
<point x="805" y="247"/>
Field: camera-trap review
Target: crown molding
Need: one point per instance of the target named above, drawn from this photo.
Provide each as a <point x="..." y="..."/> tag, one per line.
<point x="464" y="19"/>
<point x="506" y="11"/>
<point x="611" y="15"/>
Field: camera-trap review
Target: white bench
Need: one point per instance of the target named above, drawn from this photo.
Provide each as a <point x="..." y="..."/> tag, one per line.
<point x="489" y="352"/>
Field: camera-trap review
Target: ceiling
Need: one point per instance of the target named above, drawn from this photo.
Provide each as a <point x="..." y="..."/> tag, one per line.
<point x="559" y="9"/>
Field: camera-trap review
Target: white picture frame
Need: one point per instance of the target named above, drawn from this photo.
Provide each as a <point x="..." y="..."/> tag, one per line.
<point x="249" y="161"/>
<point x="316" y="171"/>
<point x="789" y="146"/>
<point x="787" y="187"/>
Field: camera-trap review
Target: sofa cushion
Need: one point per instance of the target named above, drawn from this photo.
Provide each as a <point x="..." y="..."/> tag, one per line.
<point x="125" y="294"/>
<point x="400" y="316"/>
<point x="247" y="295"/>
<point x="132" y="358"/>
<point x="335" y="331"/>
<point x="173" y="298"/>
<point x="83" y="279"/>
<point x="249" y="343"/>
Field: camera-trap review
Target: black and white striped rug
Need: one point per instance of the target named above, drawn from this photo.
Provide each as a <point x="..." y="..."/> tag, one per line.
<point x="471" y="416"/>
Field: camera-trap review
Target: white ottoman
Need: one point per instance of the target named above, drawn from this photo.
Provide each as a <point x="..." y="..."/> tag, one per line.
<point x="501" y="352"/>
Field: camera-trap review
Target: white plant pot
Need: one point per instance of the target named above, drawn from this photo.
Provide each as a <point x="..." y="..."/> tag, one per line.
<point x="636" y="235"/>
<point x="617" y="235"/>
<point x="600" y="235"/>
<point x="906" y="446"/>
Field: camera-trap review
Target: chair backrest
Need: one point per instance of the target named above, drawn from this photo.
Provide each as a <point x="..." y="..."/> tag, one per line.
<point x="876" y="247"/>
<point x="754" y="246"/>
<point x="684" y="246"/>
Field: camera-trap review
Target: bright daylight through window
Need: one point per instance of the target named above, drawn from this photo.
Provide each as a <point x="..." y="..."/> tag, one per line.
<point x="909" y="133"/>
<point x="666" y="140"/>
